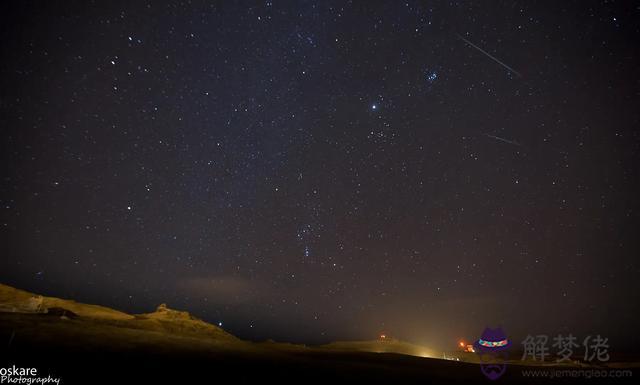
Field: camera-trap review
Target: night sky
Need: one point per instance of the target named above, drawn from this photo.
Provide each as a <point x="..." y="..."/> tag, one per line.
<point x="311" y="171"/>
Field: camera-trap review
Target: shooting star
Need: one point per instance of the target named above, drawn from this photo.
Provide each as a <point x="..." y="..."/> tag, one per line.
<point x="491" y="56"/>
<point x="503" y="139"/>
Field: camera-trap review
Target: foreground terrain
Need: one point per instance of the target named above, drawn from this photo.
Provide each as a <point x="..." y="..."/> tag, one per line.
<point x="82" y="343"/>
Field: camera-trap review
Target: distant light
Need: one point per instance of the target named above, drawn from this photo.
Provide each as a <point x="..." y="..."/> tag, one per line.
<point x="220" y="324"/>
<point x="462" y="344"/>
<point x="375" y="106"/>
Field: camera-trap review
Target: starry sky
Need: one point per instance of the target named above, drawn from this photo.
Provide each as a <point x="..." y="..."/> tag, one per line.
<point x="310" y="171"/>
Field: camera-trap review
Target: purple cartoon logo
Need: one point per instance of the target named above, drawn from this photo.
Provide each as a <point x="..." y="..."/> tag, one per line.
<point x="492" y="348"/>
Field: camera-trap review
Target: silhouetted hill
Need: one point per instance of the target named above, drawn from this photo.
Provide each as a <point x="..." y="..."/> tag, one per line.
<point x="83" y="344"/>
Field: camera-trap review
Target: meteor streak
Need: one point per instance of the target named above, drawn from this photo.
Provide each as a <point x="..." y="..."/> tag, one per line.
<point x="491" y="56"/>
<point x="503" y="139"/>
